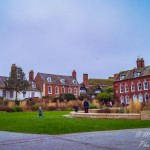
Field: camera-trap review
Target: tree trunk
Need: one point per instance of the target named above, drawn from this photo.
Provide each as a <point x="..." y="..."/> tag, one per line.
<point x="16" y="95"/>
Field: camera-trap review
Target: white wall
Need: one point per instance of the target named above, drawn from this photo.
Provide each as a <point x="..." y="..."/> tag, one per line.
<point x="20" y="95"/>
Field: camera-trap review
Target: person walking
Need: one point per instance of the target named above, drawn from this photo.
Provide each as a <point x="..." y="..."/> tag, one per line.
<point x="86" y="105"/>
<point x="40" y="112"/>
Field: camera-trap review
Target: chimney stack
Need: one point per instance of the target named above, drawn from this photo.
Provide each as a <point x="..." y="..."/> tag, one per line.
<point x="31" y="75"/>
<point x="85" y="79"/>
<point x="74" y="74"/>
<point x="116" y="76"/>
<point x="140" y="63"/>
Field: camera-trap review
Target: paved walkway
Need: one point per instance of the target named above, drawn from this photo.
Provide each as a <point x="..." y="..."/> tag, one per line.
<point x="136" y="139"/>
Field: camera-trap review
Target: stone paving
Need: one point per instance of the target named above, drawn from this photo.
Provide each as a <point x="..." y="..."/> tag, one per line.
<point x="132" y="139"/>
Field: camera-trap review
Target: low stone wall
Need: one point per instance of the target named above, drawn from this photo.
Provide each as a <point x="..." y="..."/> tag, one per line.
<point x="145" y="115"/>
<point x="131" y="116"/>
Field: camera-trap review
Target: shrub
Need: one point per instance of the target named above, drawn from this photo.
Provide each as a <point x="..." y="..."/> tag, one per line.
<point x="17" y="109"/>
<point x="91" y="106"/>
<point x="137" y="106"/>
<point x="68" y="97"/>
<point x="5" y="108"/>
<point x="34" y="108"/>
<point x="55" y="99"/>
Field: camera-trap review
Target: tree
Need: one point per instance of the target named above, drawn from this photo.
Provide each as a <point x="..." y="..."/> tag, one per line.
<point x="107" y="94"/>
<point x="16" y="81"/>
<point x="103" y="96"/>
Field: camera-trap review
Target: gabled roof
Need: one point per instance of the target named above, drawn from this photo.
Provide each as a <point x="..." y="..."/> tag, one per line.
<point x="56" y="79"/>
<point x="2" y="84"/>
<point x="105" y="82"/>
<point x="32" y="87"/>
<point x="2" y="81"/>
<point x="134" y="73"/>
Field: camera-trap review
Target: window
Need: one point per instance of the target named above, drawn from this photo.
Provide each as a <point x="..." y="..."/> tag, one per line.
<point x="122" y="77"/>
<point x="33" y="85"/>
<point x="63" y="81"/>
<point x="32" y="94"/>
<point x="24" y="94"/>
<point x="49" y="79"/>
<point x="69" y="90"/>
<point x="74" y="81"/>
<point x="126" y="88"/>
<point x="146" y="97"/>
<point x="82" y="91"/>
<point x="11" y="94"/>
<point x="134" y="97"/>
<point x="136" y="74"/>
<point x="132" y="87"/>
<point x="4" y="93"/>
<point x="140" y="97"/>
<point x="56" y="90"/>
<point x="49" y="90"/>
<point x="122" y="99"/>
<point x="121" y="88"/>
<point x="145" y="84"/>
<point x="63" y="90"/>
<point x="75" y="91"/>
<point x="127" y="99"/>
<point x="139" y="86"/>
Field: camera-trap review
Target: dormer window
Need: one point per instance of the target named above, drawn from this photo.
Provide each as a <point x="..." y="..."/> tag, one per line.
<point x="137" y="74"/>
<point x="49" y="79"/>
<point x="74" y="81"/>
<point x="122" y="77"/>
<point x="33" y="86"/>
<point x="63" y="81"/>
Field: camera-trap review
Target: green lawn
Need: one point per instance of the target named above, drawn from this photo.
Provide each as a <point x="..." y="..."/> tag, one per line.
<point x="55" y="123"/>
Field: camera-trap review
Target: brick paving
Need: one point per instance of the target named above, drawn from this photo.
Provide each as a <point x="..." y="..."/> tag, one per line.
<point x="132" y="139"/>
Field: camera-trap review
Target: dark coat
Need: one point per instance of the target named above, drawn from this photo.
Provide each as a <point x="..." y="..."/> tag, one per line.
<point x="86" y="104"/>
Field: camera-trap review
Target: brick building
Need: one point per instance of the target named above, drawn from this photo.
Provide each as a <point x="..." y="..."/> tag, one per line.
<point x="133" y="84"/>
<point x="54" y="85"/>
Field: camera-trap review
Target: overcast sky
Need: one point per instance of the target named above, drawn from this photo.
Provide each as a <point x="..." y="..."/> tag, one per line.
<point x="98" y="37"/>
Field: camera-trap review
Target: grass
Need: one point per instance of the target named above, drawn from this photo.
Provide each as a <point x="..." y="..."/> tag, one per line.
<point x="55" y="123"/>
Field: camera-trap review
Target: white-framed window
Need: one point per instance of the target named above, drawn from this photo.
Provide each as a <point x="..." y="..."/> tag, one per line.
<point x="121" y="88"/>
<point x="69" y="90"/>
<point x="32" y="94"/>
<point x="49" y="79"/>
<point x="33" y="85"/>
<point x="122" y="77"/>
<point x="50" y="90"/>
<point x="74" y="81"/>
<point x="140" y="96"/>
<point x="136" y="74"/>
<point x="11" y="94"/>
<point x="4" y="93"/>
<point x="63" y="81"/>
<point x="126" y="88"/>
<point x="132" y="87"/>
<point x="122" y="99"/>
<point x="56" y="90"/>
<point x="139" y="84"/>
<point x="75" y="91"/>
<point x="145" y="84"/>
<point x="127" y="99"/>
<point x="82" y="90"/>
<point x="63" y="89"/>
<point x="134" y="97"/>
<point x="146" y="97"/>
<point x="24" y="94"/>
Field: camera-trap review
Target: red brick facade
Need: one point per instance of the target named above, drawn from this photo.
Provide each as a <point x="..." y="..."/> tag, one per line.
<point x="123" y="95"/>
<point x="55" y="87"/>
<point x="133" y="84"/>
